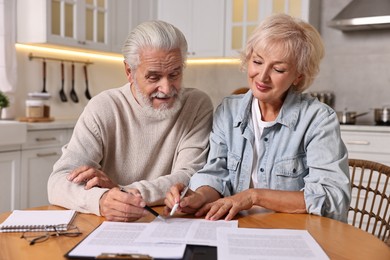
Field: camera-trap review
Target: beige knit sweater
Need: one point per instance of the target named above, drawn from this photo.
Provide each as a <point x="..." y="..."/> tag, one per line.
<point x="134" y="149"/>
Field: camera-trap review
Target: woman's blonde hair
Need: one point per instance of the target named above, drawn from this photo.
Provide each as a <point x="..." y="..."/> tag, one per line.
<point x="301" y="42"/>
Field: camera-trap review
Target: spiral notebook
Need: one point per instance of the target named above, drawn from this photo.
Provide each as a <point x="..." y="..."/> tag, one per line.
<point x="38" y="220"/>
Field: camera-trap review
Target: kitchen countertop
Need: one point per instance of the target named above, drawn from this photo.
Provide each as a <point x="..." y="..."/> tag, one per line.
<point x="366" y="128"/>
<point x="70" y="123"/>
<point x="56" y="124"/>
<point x="12" y="132"/>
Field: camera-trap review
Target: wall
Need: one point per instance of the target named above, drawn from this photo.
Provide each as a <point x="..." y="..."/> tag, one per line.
<point x="356" y="65"/>
<point x="102" y="74"/>
<point x="355" y="68"/>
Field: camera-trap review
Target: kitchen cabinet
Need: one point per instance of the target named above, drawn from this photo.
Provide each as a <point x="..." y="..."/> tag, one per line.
<point x="128" y="14"/>
<point x="10" y="179"/>
<point x="97" y="25"/>
<point x="201" y="21"/>
<point x="243" y="16"/>
<point x="41" y="150"/>
<point x="27" y="161"/>
<point x="85" y="24"/>
<point x="367" y="143"/>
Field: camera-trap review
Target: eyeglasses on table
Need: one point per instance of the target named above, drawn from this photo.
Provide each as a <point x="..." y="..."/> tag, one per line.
<point x="34" y="236"/>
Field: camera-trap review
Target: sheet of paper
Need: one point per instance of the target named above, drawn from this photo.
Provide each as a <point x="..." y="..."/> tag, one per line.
<point x="119" y="238"/>
<point x="185" y="230"/>
<point x="254" y="243"/>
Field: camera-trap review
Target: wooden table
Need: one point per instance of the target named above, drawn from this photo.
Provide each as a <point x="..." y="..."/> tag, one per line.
<point x="339" y="240"/>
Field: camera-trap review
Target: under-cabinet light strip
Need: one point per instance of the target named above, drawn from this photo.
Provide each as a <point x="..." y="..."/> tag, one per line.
<point x="32" y="56"/>
<point x="113" y="57"/>
<point x="73" y="53"/>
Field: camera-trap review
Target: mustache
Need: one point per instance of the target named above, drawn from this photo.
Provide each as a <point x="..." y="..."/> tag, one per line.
<point x="159" y="94"/>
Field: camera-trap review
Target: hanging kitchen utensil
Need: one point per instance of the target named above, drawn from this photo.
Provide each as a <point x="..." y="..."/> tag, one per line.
<point x="87" y="94"/>
<point x="62" y="92"/>
<point x="73" y="94"/>
<point x="44" y="77"/>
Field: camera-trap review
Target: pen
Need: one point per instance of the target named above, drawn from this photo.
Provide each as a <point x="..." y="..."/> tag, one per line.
<point x="147" y="207"/>
<point x="123" y="256"/>
<point x="183" y="193"/>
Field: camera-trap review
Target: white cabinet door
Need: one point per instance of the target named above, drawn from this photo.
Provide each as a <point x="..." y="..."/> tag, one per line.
<point x="243" y="16"/>
<point x="40" y="152"/>
<point x="201" y="21"/>
<point x="73" y="23"/>
<point x="126" y="15"/>
<point x="10" y="180"/>
<point x="37" y="165"/>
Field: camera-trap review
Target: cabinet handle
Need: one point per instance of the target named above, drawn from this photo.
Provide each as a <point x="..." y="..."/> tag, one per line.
<point x="359" y="142"/>
<point x="82" y="42"/>
<point x="46" y="154"/>
<point x="45" y="139"/>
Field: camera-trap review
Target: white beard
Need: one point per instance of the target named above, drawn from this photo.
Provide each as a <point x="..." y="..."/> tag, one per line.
<point x="163" y="111"/>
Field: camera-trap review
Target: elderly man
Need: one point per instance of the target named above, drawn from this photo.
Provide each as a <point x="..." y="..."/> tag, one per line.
<point x="142" y="137"/>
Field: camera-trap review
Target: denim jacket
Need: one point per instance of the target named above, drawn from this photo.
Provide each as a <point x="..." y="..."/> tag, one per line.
<point x="302" y="151"/>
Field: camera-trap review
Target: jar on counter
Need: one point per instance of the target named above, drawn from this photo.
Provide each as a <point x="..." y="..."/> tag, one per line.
<point x="38" y="105"/>
<point x="35" y="108"/>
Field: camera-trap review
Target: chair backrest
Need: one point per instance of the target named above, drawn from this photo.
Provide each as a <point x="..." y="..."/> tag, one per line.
<point x="242" y="90"/>
<point x="370" y="204"/>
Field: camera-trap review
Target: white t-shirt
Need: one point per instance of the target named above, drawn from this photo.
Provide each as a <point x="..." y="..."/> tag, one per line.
<point x="258" y="126"/>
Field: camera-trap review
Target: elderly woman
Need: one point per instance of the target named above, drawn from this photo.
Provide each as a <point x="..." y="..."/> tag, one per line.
<point x="273" y="147"/>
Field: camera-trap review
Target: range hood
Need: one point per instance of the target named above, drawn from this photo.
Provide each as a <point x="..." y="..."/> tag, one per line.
<point x="363" y="15"/>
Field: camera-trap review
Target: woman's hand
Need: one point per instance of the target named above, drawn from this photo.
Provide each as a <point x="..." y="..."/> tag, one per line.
<point x="228" y="206"/>
<point x="192" y="201"/>
<point x="91" y="177"/>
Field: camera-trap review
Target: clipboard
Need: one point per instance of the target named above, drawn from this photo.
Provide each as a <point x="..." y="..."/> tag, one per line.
<point x="192" y="252"/>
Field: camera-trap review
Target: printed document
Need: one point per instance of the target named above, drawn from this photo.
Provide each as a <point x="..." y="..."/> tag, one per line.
<point x="119" y="238"/>
<point x="254" y="243"/>
<point x="185" y="230"/>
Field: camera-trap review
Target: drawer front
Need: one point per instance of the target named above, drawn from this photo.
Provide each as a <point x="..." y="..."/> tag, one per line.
<point x="367" y="142"/>
<point x="45" y="138"/>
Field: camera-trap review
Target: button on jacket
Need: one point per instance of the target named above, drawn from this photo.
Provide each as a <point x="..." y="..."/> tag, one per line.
<point x="302" y="150"/>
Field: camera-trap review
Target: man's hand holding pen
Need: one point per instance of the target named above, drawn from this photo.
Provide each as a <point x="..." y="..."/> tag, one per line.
<point x="146" y="207"/>
<point x="116" y="205"/>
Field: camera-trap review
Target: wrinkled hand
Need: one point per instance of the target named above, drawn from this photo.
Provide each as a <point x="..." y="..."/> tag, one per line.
<point x="228" y="206"/>
<point x="91" y="177"/>
<point x="116" y="205"/>
<point x="191" y="202"/>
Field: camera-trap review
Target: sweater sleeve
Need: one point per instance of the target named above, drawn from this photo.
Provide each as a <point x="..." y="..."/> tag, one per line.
<point x="84" y="148"/>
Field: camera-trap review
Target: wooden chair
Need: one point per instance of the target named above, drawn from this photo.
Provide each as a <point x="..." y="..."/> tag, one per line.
<point x="242" y="90"/>
<point x="370" y="204"/>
